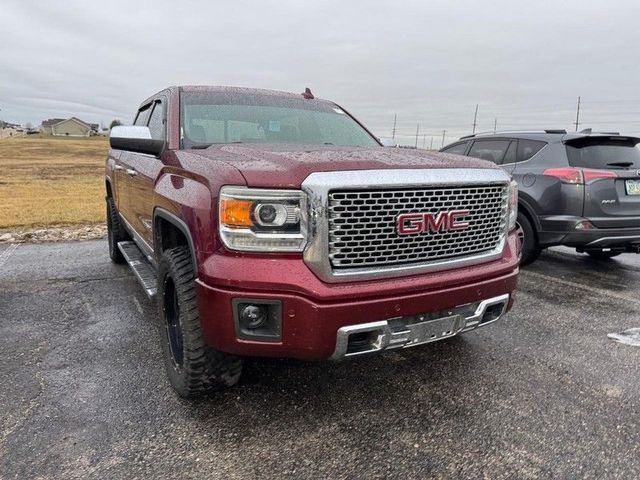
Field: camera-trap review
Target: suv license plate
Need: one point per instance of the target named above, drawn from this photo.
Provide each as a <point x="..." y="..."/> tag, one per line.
<point x="633" y="187"/>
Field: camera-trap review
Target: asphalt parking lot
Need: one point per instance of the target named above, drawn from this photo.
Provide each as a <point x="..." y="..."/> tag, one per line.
<point x="544" y="393"/>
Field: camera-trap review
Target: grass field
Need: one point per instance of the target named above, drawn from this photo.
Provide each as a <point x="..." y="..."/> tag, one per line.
<point x="47" y="181"/>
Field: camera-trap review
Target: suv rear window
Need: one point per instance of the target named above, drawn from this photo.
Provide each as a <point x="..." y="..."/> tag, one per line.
<point x="620" y="152"/>
<point x="528" y="148"/>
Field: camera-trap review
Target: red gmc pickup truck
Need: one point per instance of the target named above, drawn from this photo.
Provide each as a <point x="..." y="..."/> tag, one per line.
<point x="275" y="224"/>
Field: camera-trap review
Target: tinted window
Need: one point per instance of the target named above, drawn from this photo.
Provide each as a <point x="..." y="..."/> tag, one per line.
<point x="528" y="148"/>
<point x="143" y="115"/>
<point x="156" y="123"/>
<point x="213" y="117"/>
<point x="458" y="148"/>
<point x="510" y="156"/>
<point x="604" y="153"/>
<point x="492" y="150"/>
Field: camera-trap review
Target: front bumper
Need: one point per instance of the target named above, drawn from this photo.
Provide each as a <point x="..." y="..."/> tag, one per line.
<point x="313" y="311"/>
<point x="405" y="332"/>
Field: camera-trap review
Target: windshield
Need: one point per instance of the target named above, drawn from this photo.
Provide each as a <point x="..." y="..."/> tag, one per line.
<point x="606" y="153"/>
<point x="210" y="117"/>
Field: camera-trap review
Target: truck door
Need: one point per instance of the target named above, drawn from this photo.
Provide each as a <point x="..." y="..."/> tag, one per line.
<point x="141" y="170"/>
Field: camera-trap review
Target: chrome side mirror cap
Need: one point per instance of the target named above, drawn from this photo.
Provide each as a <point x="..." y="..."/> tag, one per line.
<point x="135" y="139"/>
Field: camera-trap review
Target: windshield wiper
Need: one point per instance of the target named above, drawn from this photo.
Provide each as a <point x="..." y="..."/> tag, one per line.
<point x="620" y="164"/>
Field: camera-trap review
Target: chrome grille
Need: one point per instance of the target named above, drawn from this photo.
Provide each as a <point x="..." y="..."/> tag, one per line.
<point x="362" y="224"/>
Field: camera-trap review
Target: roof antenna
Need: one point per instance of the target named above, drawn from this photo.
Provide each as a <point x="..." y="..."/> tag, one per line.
<point x="307" y="94"/>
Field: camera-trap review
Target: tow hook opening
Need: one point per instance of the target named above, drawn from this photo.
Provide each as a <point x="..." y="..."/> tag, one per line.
<point x="492" y="312"/>
<point x="364" y="342"/>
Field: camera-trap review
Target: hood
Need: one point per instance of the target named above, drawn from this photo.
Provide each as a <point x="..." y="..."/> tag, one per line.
<point x="268" y="165"/>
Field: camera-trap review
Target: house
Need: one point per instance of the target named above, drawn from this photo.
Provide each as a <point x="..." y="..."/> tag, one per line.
<point x="47" y="124"/>
<point x="70" y="127"/>
<point x="10" y="130"/>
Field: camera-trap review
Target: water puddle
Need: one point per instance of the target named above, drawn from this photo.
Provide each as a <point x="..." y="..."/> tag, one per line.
<point x="628" y="337"/>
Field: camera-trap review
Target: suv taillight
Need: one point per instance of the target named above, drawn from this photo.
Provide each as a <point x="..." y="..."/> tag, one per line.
<point x="579" y="176"/>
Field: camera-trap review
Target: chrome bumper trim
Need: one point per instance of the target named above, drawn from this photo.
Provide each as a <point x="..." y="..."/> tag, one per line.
<point x="403" y="332"/>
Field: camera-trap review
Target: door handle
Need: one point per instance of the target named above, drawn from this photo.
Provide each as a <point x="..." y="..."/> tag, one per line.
<point x="118" y="167"/>
<point x="131" y="172"/>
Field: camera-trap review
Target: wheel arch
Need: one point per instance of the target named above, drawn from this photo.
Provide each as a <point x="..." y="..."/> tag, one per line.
<point x="527" y="211"/>
<point x="170" y="231"/>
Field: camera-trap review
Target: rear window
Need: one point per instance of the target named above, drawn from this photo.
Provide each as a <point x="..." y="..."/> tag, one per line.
<point x="604" y="153"/>
<point x="458" y="148"/>
<point x="528" y="148"/>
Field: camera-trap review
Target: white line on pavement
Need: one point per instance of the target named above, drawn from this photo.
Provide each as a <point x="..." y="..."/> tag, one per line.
<point x="600" y="291"/>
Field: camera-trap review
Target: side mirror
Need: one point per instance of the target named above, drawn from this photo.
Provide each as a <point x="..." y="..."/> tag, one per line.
<point x="388" y="142"/>
<point x="135" y="139"/>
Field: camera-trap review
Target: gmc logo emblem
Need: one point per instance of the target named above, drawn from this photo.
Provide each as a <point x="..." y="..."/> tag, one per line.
<point x="416" y="223"/>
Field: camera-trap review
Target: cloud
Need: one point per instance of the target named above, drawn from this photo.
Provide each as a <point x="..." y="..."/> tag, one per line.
<point x="524" y="63"/>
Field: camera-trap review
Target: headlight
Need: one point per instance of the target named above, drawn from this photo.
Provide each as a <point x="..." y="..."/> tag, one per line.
<point x="263" y="220"/>
<point x="513" y="204"/>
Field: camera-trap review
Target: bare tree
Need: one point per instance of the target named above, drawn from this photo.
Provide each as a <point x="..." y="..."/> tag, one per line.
<point x="114" y="123"/>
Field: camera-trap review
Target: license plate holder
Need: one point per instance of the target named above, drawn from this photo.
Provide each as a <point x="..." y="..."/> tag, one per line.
<point x="433" y="330"/>
<point x="632" y="187"/>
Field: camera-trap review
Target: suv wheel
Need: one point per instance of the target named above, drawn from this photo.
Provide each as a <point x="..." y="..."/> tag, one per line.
<point x="602" y="255"/>
<point x="530" y="248"/>
<point x="115" y="232"/>
<point x="193" y="368"/>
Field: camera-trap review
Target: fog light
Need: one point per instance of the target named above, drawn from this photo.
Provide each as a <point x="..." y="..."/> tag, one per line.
<point x="257" y="319"/>
<point x="253" y="316"/>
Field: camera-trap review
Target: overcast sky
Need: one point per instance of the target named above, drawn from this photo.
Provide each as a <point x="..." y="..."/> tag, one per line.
<point x="431" y="62"/>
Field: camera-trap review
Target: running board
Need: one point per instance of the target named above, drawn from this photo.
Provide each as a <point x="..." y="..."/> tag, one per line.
<point x="143" y="270"/>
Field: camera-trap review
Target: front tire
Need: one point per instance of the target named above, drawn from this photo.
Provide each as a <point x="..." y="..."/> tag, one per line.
<point x="530" y="248"/>
<point x="193" y="368"/>
<point x="115" y="232"/>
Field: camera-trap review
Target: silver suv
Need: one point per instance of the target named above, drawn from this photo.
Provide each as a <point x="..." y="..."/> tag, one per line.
<point x="581" y="189"/>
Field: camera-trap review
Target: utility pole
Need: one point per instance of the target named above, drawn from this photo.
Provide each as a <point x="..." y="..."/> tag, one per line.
<point x="495" y="125"/>
<point x="578" y="114"/>
<point x="417" y="131"/>
<point x="444" y="132"/>
<point x="395" y="119"/>
<point x="424" y="140"/>
<point x="431" y="146"/>
<point x="475" y="117"/>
